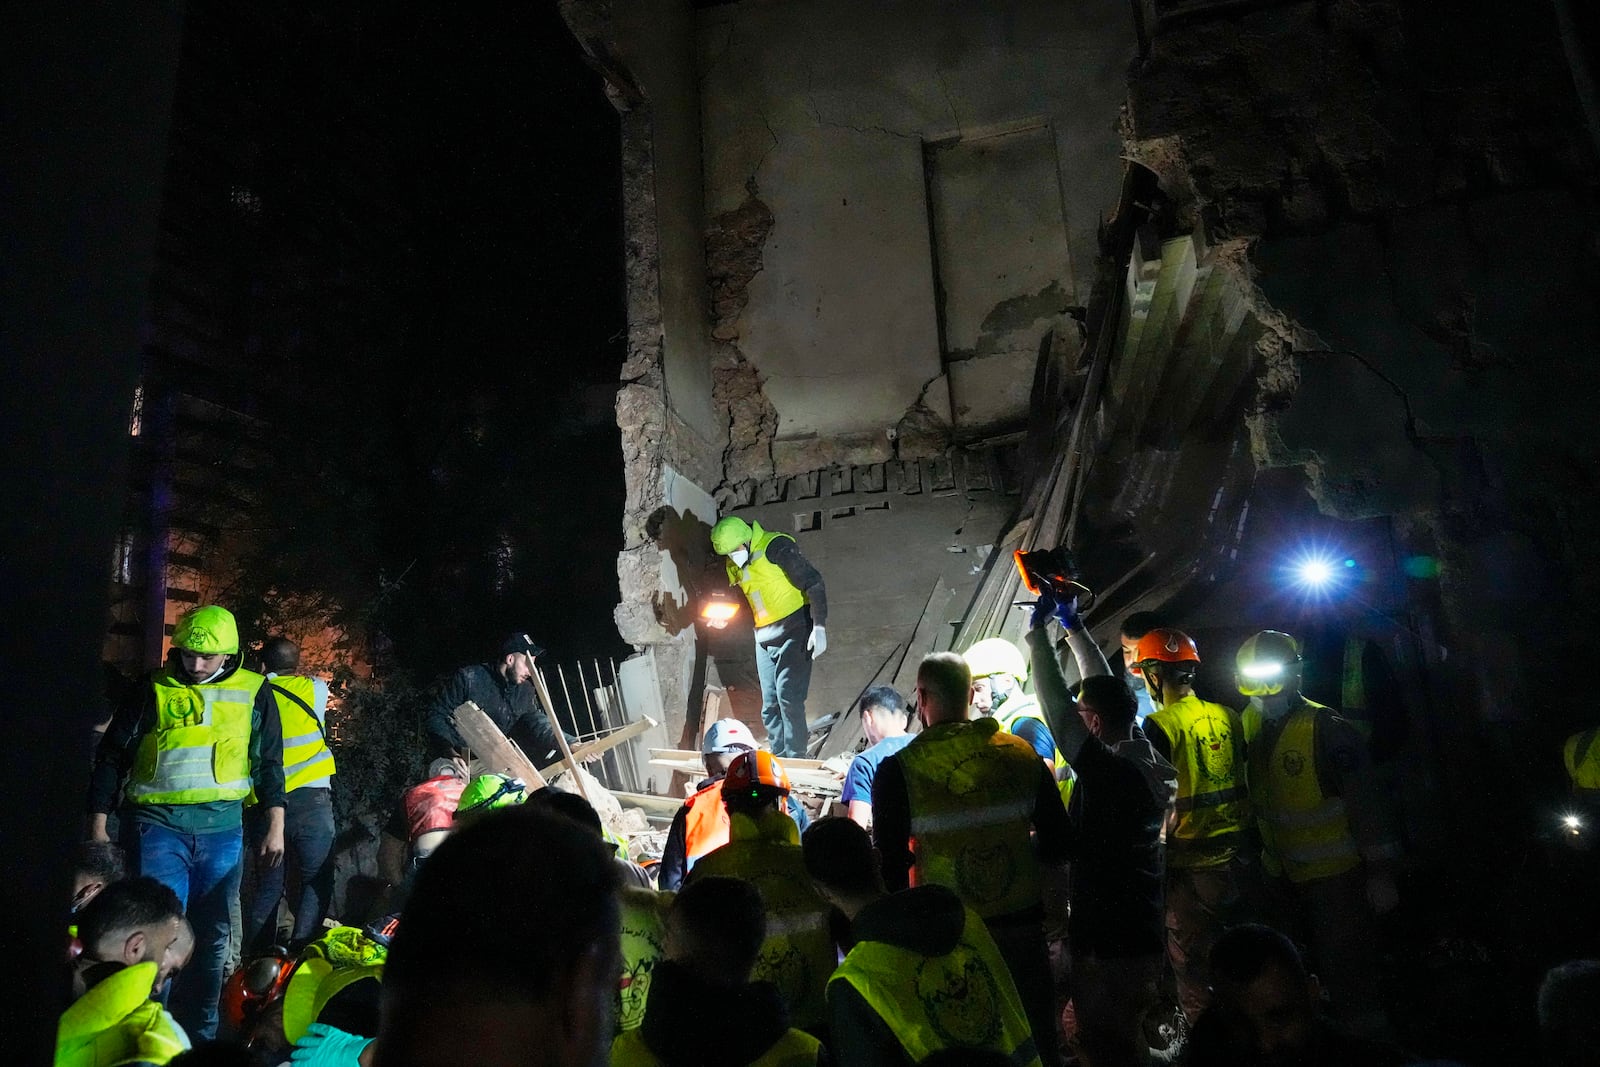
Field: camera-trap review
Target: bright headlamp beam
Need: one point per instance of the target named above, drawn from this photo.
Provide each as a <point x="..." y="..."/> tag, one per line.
<point x="1315" y="573"/>
<point x="1262" y="671"/>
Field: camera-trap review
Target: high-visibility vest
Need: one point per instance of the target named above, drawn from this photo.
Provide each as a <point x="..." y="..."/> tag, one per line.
<point x="1023" y="706"/>
<point x="964" y="999"/>
<point x="705" y="824"/>
<point x="1303" y="830"/>
<point x="306" y="759"/>
<point x="971" y="790"/>
<point x="199" y="750"/>
<point x="116" y="1022"/>
<point x="798" y="954"/>
<point x="771" y="594"/>
<point x="1581" y="754"/>
<point x="644" y="944"/>
<point x="1213" y="807"/>
<point x="794" y="1049"/>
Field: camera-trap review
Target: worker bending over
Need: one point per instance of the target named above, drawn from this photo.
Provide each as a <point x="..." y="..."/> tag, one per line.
<point x="704" y="1007"/>
<point x="1123" y="791"/>
<point x="977" y="803"/>
<point x="883" y="721"/>
<point x="922" y="976"/>
<point x="1211" y="879"/>
<point x="503" y="688"/>
<point x="763" y="849"/>
<point x="1323" y="825"/>
<point x="789" y="606"/>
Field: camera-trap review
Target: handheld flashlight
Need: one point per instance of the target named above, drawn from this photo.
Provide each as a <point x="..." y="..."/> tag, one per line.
<point x="1572" y="824"/>
<point x="719" y="609"/>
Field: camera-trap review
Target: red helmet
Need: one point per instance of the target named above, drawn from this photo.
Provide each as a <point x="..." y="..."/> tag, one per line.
<point x="256" y="984"/>
<point x="756" y="772"/>
<point x="1166" y="646"/>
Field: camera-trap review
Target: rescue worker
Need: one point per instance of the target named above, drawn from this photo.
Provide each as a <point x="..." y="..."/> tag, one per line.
<point x="504" y="690"/>
<point x="883" y="721"/>
<point x="308" y="770"/>
<point x="998" y="675"/>
<point x="183" y="751"/>
<point x="955" y="808"/>
<point x="127" y="933"/>
<point x="1323" y="827"/>
<point x="701" y="825"/>
<point x="1117" y="929"/>
<point x="923" y="974"/>
<point x="764" y="849"/>
<point x="487" y="792"/>
<point x="420" y="823"/>
<point x="789" y="606"/>
<point x="1134" y="627"/>
<point x="704" y="1007"/>
<point x="1210" y="877"/>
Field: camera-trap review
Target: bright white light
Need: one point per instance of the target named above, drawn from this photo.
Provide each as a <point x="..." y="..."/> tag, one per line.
<point x="1572" y="822"/>
<point x="1261" y="671"/>
<point x="1316" y="573"/>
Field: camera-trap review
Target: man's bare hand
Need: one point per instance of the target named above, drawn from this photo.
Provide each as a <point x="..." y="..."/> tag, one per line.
<point x="271" y="850"/>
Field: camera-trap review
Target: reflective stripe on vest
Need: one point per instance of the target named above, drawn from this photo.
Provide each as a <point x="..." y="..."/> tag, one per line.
<point x="794" y="1049"/>
<point x="974" y="1002"/>
<point x="1028" y="708"/>
<point x="1581" y="754"/>
<point x="971" y="790"/>
<point x="1302" y="828"/>
<point x="771" y="594"/>
<point x="306" y="759"/>
<point x="199" y="751"/>
<point x="797" y="954"/>
<point x="1207" y="744"/>
<point x="705" y="825"/>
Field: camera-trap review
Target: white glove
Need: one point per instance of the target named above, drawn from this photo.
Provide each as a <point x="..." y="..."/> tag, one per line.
<point x="817" y="642"/>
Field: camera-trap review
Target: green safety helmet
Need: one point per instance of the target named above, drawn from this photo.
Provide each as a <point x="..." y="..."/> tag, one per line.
<point x="208" y="631"/>
<point x="996" y="655"/>
<point x="489" y="791"/>
<point x="729" y="533"/>
<point x="1267" y="663"/>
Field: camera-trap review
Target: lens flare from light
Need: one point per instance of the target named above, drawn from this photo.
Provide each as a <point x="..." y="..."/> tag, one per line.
<point x="1319" y="572"/>
<point x="1315" y="573"/>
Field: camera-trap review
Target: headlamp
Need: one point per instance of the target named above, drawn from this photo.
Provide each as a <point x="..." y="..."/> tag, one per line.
<point x="1261" y="672"/>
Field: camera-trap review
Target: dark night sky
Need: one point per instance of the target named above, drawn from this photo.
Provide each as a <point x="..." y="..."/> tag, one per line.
<point x="430" y="299"/>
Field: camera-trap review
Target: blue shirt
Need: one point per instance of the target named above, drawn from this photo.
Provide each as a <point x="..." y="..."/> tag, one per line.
<point x="858" y="783"/>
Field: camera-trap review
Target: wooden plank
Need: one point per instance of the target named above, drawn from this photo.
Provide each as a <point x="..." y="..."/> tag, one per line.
<point x="809" y="780"/>
<point x="687" y="754"/>
<point x="493" y="748"/>
<point x="561" y="735"/>
<point x="605" y="744"/>
<point x="650" y="803"/>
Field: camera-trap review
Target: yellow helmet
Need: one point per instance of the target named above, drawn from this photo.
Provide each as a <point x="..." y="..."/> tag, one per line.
<point x="209" y="630"/>
<point x="996" y="655"/>
<point x="1267" y="663"/>
<point x="729" y="533"/>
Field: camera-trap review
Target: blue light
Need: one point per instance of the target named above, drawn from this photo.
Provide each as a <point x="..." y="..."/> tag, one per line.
<point x="1318" y="573"/>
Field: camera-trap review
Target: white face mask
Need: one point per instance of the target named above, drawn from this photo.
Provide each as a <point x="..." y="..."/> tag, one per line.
<point x="740" y="556"/>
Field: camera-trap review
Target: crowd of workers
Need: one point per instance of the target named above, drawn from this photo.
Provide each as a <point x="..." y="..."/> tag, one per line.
<point x="1026" y="879"/>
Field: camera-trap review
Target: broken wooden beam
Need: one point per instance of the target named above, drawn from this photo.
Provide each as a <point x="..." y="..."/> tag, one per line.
<point x="492" y="747"/>
<point x="605" y="744"/>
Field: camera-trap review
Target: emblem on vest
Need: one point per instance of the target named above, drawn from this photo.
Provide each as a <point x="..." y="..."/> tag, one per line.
<point x="1293" y="762"/>
<point x="785" y="967"/>
<point x="964" y="1007"/>
<point x="985" y="873"/>
<point x="1213" y="749"/>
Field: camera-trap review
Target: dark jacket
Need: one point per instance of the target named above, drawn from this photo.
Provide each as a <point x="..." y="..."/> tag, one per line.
<point x="927" y="920"/>
<point x="513" y="708"/>
<point x="689" y="1021"/>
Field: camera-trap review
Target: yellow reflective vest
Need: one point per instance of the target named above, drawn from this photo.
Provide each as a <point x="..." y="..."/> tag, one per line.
<point x="1581" y="754"/>
<point x="116" y="1022"/>
<point x="794" y="1049"/>
<point x="1026" y="707"/>
<point x="771" y="594"/>
<point x="306" y="759"/>
<point x="798" y="954"/>
<point x="1304" y="831"/>
<point x="971" y="790"/>
<point x="1212" y="806"/>
<point x="644" y="944"/>
<point x="199" y="750"/>
<point x="965" y="999"/>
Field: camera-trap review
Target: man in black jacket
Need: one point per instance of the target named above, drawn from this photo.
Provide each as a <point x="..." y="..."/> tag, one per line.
<point x="504" y="690"/>
<point x="1117" y="929"/>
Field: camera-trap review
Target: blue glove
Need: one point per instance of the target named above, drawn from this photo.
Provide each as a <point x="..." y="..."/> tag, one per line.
<point x="328" y="1046"/>
<point x="1067" y="615"/>
<point x="1043" y="610"/>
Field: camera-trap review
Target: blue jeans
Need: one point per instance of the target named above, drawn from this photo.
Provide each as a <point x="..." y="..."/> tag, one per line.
<point x="784" y="666"/>
<point x="203" y="869"/>
<point x="308" y="843"/>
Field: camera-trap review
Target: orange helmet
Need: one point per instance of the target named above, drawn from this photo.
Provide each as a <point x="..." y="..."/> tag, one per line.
<point x="1166" y="646"/>
<point x="757" y="772"/>
<point x="256" y="984"/>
